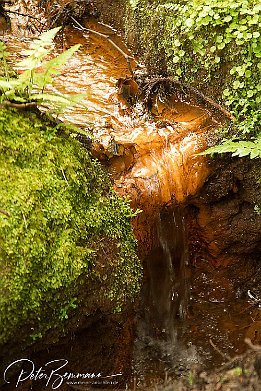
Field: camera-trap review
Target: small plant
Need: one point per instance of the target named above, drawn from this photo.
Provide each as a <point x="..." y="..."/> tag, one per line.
<point x="190" y="378"/>
<point x="238" y="148"/>
<point x="64" y="311"/>
<point x="36" y="73"/>
<point x="209" y="43"/>
<point x="257" y="209"/>
<point x="36" y="336"/>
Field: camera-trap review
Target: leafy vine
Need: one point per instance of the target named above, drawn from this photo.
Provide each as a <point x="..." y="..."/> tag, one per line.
<point x="213" y="44"/>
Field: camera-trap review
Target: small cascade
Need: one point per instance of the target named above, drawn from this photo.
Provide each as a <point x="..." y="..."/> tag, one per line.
<point x="165" y="298"/>
<point x="166" y="271"/>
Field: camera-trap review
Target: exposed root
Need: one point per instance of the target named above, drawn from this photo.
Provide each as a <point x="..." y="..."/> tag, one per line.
<point x="225" y="356"/>
<point x="4" y="212"/>
<point x="167" y="86"/>
<point x="256" y="348"/>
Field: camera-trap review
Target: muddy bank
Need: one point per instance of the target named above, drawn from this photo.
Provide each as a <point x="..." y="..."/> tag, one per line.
<point x="226" y="216"/>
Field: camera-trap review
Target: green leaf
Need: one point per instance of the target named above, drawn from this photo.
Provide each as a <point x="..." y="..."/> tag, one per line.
<point x="9" y="85"/>
<point x="39" y="48"/>
<point x="206" y="20"/>
<point x="237" y="84"/>
<point x="52" y="67"/>
<point x="226" y="92"/>
<point x="228" y="18"/>
<point x="177" y="42"/>
<point x="60" y="100"/>
<point x="250" y="93"/>
<point x="221" y="45"/>
<point x="189" y="22"/>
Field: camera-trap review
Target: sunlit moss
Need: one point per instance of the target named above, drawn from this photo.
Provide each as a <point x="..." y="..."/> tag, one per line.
<point x="56" y="207"/>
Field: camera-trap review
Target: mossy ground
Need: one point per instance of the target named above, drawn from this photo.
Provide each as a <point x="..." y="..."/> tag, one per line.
<point x="57" y="209"/>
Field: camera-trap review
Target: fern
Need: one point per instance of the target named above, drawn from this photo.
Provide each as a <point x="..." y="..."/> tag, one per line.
<point x="39" y="49"/>
<point x="61" y="100"/>
<point x="52" y="67"/>
<point x="237" y="148"/>
<point x="30" y="84"/>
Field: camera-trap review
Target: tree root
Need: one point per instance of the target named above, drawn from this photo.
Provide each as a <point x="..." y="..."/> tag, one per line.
<point x="168" y="85"/>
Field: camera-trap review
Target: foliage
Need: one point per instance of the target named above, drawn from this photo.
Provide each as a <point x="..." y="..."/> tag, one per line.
<point x="238" y="148"/>
<point x="213" y="44"/>
<point x="36" y="74"/>
<point x="241" y="147"/>
<point x="56" y="206"/>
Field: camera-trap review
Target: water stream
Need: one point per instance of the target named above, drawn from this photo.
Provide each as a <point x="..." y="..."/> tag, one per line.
<point x="164" y="303"/>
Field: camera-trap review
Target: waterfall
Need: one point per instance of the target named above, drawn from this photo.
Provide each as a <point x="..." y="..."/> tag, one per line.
<point x="165" y="295"/>
<point x="168" y="285"/>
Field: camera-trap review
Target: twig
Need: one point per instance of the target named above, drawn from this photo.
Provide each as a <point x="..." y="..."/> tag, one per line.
<point x="238" y="360"/>
<point x="4" y="212"/>
<point x="65" y="178"/>
<point x="29" y="16"/>
<point x="126" y="56"/>
<point x="7" y="103"/>
<point x="225" y="356"/>
<point x="25" y="222"/>
<point x="135" y="384"/>
<point x="256" y="348"/>
<point x="212" y="102"/>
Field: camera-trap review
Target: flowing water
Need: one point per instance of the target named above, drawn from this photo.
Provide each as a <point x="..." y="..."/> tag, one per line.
<point x="151" y="158"/>
<point x="164" y="304"/>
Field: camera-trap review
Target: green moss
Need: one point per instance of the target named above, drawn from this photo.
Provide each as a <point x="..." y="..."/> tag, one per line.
<point x="212" y="44"/>
<point x="56" y="206"/>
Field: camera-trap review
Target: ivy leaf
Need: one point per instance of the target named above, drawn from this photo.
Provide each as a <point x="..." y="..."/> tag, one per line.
<point x="228" y="18"/>
<point x="189" y="22"/>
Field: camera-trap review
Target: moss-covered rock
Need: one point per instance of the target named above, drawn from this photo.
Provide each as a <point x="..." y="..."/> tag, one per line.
<point x="63" y="231"/>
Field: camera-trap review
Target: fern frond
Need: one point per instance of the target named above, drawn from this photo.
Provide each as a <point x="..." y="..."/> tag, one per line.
<point x="6" y="85"/>
<point x="237" y="148"/>
<point x="39" y="49"/>
<point x="59" y="100"/>
<point x="24" y="88"/>
<point x="53" y="66"/>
